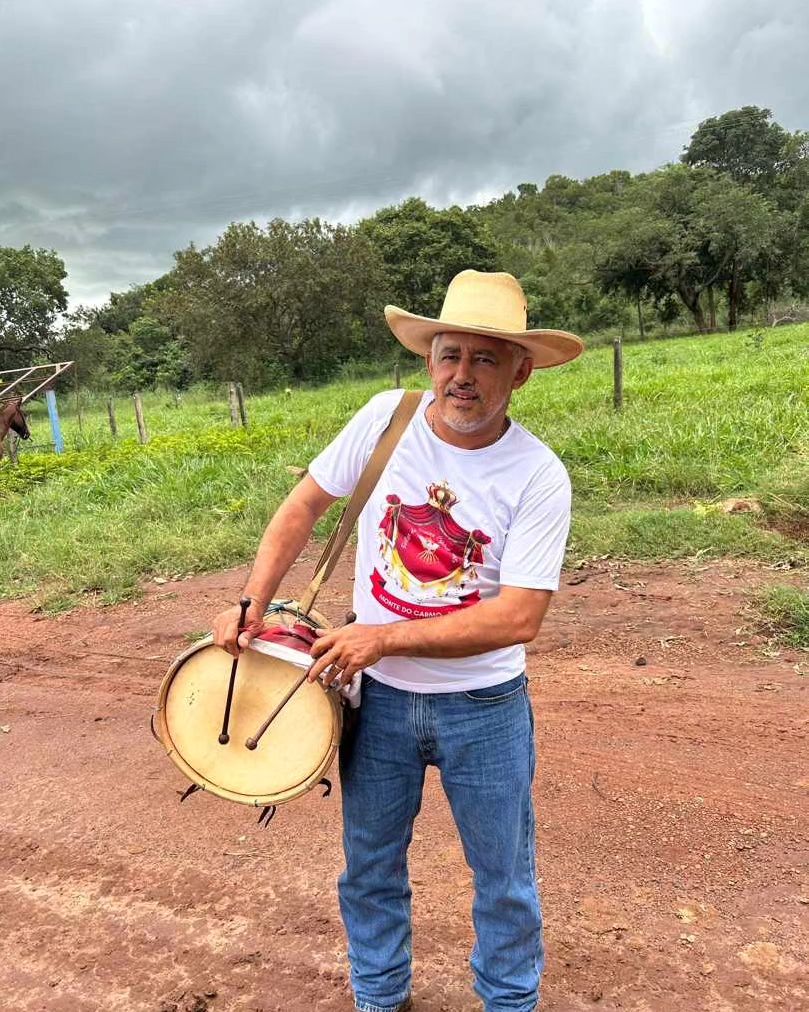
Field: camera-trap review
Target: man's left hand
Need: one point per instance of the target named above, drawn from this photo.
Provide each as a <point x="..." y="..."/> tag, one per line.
<point x="341" y="653"/>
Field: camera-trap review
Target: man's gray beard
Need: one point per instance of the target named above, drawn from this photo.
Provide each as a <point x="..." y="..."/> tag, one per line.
<point x="471" y="426"/>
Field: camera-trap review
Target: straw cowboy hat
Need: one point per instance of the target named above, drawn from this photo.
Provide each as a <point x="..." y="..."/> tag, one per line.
<point x="489" y="304"/>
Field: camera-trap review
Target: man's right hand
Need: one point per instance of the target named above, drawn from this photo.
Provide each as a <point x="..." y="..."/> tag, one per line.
<point x="226" y="628"/>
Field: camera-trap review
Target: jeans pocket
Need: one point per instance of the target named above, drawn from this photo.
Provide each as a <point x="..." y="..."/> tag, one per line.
<point x="499" y="693"/>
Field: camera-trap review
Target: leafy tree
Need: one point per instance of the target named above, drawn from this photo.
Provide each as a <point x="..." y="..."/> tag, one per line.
<point x="31" y="297"/>
<point x="270" y="305"/>
<point x="738" y="234"/>
<point x="549" y="239"/>
<point x="172" y="365"/>
<point x="642" y="257"/>
<point x="744" y="143"/>
<point x="129" y="366"/>
<point x="147" y="355"/>
<point x="87" y="345"/>
<point x="791" y="188"/>
<point x="124" y="308"/>
<point x="423" y="249"/>
<point x="561" y="291"/>
<point x="690" y="232"/>
<point x="143" y="356"/>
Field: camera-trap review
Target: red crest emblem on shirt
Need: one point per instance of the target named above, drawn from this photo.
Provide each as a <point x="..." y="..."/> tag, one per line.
<point x="428" y="554"/>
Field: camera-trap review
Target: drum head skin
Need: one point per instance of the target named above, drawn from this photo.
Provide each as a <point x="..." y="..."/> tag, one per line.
<point x="291" y="757"/>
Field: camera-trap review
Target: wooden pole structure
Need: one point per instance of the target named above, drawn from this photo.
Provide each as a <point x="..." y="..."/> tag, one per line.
<point x="618" y="372"/>
<point x="11" y="443"/>
<point x="111" y="414"/>
<point x="396" y="377"/>
<point x="53" y="415"/>
<point x="78" y="402"/>
<point x="240" y="404"/>
<point x="233" y="401"/>
<point x="143" y="435"/>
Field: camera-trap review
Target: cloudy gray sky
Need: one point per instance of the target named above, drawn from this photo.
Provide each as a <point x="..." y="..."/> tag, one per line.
<point x="129" y="128"/>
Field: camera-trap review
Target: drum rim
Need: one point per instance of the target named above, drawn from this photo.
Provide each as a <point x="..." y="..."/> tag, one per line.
<point x="280" y="797"/>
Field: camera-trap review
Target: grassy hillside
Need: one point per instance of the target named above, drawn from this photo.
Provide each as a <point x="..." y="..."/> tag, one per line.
<point x="704" y="419"/>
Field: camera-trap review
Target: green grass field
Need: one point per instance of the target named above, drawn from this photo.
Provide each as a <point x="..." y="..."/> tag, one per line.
<point x="705" y="418"/>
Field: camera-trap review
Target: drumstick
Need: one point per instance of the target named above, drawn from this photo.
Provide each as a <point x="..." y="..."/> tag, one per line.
<point x="252" y="743"/>
<point x="224" y="737"/>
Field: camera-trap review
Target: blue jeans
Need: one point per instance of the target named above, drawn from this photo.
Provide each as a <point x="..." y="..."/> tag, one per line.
<point x="482" y="742"/>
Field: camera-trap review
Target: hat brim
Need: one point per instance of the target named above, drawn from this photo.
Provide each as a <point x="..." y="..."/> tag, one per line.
<point x="546" y="347"/>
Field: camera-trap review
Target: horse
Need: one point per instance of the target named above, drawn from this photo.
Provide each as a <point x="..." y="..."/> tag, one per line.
<point x="11" y="417"/>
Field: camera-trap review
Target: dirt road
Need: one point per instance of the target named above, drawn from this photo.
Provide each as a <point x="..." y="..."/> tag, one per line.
<point x="672" y="800"/>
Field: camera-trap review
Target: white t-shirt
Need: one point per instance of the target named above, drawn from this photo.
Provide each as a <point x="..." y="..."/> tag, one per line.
<point x="445" y="528"/>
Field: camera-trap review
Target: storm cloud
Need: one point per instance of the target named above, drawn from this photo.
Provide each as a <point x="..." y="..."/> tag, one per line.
<point x="130" y="129"/>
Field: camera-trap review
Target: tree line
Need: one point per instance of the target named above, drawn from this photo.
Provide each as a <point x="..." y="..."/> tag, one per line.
<point x="697" y="244"/>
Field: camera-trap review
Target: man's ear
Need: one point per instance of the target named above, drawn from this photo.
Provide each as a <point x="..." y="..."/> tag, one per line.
<point x="523" y="373"/>
<point x="428" y="361"/>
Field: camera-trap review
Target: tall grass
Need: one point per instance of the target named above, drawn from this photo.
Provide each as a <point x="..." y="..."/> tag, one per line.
<point x="704" y="418"/>
<point x="786" y="614"/>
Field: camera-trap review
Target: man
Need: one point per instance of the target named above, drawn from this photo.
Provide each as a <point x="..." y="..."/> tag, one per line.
<point x="459" y="550"/>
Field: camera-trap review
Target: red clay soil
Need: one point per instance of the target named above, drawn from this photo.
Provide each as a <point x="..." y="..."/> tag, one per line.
<point x="672" y="800"/>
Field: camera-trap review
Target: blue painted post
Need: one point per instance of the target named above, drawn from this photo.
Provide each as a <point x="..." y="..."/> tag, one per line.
<point x="53" y="414"/>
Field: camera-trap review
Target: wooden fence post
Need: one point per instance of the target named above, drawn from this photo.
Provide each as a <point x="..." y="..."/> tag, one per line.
<point x="111" y="413"/>
<point x="396" y="377"/>
<point x="11" y="443"/>
<point x="53" y="415"/>
<point x="618" y="372"/>
<point x="78" y="403"/>
<point x="240" y="403"/>
<point x="143" y="435"/>
<point x="233" y="402"/>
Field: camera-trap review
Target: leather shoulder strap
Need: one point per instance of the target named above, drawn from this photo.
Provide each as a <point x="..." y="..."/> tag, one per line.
<point x="367" y="482"/>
